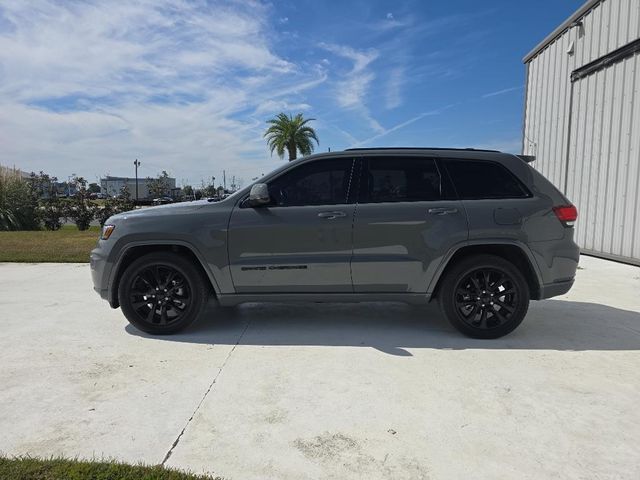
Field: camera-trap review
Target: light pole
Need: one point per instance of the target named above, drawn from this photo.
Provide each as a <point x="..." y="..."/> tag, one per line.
<point x="137" y="164"/>
<point x="69" y="184"/>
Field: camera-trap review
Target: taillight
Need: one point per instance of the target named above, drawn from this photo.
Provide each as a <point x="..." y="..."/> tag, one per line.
<point x="567" y="214"/>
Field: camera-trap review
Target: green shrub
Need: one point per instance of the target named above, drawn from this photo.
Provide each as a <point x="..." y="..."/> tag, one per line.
<point x="115" y="205"/>
<point x="8" y="221"/>
<point x="81" y="210"/>
<point x="52" y="213"/>
<point x="18" y="202"/>
<point x="107" y="210"/>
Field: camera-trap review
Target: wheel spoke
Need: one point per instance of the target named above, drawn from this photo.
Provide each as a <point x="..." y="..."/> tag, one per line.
<point x="473" y="313"/>
<point x="137" y="305"/>
<point x="464" y="291"/>
<point x="483" y="318"/>
<point x="175" y="288"/>
<point x="509" y="308"/>
<point x="155" y="274"/>
<point x="498" y="284"/>
<point x="163" y="314"/>
<point x="145" y="281"/>
<point x="501" y="318"/>
<point x="151" y="314"/>
<point x="170" y="277"/>
<point x="485" y="278"/>
<point x="466" y="303"/>
<point x="180" y="306"/>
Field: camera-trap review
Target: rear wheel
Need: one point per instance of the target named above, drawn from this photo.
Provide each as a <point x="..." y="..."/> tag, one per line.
<point x="162" y="293"/>
<point x="484" y="296"/>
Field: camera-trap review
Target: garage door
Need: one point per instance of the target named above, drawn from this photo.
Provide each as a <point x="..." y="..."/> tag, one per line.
<point x="603" y="177"/>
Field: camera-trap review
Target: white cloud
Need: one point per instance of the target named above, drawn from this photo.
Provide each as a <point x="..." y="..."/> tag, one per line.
<point x="394" y="86"/>
<point x="87" y="87"/>
<point x="273" y="107"/>
<point x="361" y="58"/>
<point x="352" y="90"/>
<point x="389" y="16"/>
<point x="399" y="126"/>
<point x="500" y="92"/>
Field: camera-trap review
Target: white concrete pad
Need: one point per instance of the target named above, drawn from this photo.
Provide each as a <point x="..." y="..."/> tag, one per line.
<point x="73" y="381"/>
<point x="326" y="391"/>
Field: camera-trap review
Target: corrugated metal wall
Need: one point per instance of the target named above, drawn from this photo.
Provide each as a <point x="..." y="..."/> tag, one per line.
<point x="586" y="134"/>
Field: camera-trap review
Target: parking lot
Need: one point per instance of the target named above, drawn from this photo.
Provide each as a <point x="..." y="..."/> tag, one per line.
<point x="325" y="391"/>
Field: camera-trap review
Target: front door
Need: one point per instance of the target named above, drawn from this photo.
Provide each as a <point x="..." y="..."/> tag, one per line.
<point x="407" y="219"/>
<point x="300" y="242"/>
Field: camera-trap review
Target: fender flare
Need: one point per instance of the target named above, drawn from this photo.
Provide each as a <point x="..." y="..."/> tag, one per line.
<point x="446" y="259"/>
<point x="116" y="273"/>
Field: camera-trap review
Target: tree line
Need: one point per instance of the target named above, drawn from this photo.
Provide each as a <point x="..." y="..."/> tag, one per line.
<point x="33" y="203"/>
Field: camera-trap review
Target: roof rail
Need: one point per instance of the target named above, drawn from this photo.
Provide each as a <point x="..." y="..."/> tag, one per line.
<point x="422" y="148"/>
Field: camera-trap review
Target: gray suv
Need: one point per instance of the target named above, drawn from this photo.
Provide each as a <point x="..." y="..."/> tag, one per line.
<point x="480" y="231"/>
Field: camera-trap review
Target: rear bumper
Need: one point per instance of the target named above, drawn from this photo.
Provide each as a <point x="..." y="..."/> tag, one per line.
<point x="555" y="289"/>
<point x="557" y="261"/>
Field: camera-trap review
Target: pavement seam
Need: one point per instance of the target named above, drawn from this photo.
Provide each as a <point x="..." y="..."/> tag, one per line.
<point x="215" y="378"/>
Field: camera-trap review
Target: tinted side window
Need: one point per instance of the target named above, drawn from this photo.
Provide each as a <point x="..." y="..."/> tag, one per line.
<point x="484" y="179"/>
<point x="323" y="182"/>
<point x="400" y="179"/>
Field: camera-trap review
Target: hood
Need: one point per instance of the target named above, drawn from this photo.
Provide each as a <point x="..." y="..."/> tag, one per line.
<point x="160" y="210"/>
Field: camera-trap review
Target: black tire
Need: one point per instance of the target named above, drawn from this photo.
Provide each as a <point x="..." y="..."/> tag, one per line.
<point x="484" y="296"/>
<point x="162" y="293"/>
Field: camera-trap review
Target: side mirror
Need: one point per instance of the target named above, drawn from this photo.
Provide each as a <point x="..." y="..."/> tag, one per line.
<point x="259" y="195"/>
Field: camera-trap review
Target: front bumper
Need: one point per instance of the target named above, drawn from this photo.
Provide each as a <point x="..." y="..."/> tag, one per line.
<point x="97" y="262"/>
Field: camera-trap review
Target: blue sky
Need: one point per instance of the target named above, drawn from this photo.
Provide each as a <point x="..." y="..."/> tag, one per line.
<point x="187" y="86"/>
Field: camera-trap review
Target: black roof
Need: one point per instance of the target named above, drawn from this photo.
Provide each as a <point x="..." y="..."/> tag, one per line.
<point x="423" y="148"/>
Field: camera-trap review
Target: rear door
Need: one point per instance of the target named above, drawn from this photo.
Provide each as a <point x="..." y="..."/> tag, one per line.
<point x="407" y="218"/>
<point x="301" y="241"/>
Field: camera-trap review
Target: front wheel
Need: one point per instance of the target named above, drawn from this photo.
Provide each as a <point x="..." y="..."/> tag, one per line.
<point x="484" y="296"/>
<point x="162" y="293"/>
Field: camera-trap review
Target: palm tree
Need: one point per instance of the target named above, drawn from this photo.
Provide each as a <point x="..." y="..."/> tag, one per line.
<point x="292" y="134"/>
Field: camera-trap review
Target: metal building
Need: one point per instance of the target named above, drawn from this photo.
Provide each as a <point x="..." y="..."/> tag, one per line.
<point x="582" y="121"/>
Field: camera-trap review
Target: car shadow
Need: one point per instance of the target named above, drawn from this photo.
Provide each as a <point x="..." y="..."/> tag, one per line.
<point x="396" y="328"/>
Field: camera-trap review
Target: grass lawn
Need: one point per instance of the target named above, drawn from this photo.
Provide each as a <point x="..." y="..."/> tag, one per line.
<point x="27" y="468"/>
<point x="65" y="245"/>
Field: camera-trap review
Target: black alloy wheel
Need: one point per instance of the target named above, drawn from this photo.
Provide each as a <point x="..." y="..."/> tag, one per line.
<point x="162" y="293"/>
<point x="484" y="296"/>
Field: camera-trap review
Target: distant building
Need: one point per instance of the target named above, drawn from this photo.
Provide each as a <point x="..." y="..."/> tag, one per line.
<point x="112" y="186"/>
<point x="65" y="188"/>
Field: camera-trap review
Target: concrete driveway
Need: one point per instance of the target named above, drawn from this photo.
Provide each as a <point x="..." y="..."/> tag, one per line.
<point x="326" y="391"/>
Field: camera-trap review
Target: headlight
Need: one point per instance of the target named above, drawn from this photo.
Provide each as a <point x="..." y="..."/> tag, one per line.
<point x="107" y="230"/>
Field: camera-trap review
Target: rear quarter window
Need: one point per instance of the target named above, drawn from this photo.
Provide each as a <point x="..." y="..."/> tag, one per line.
<point x="476" y="179"/>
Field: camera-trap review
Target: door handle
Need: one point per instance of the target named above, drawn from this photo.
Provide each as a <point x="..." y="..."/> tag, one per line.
<point x="443" y="210"/>
<point x="332" y="215"/>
